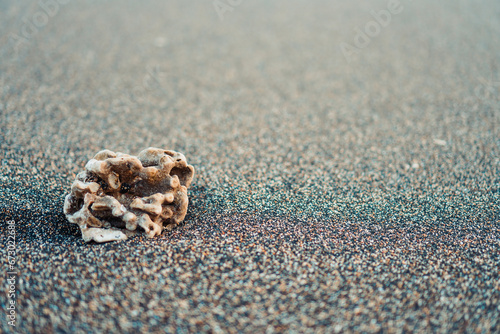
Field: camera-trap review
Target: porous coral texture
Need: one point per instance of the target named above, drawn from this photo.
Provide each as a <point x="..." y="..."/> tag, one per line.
<point x="118" y="194"/>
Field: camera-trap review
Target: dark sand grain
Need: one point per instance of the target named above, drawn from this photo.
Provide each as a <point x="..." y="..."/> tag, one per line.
<point x="329" y="197"/>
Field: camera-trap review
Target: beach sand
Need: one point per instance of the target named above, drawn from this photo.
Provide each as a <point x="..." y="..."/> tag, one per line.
<point x="332" y="193"/>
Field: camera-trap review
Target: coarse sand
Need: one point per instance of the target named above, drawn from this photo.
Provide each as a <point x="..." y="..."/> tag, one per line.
<point x="333" y="193"/>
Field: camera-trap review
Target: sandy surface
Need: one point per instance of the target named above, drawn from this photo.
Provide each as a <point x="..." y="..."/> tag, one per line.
<point x="332" y="194"/>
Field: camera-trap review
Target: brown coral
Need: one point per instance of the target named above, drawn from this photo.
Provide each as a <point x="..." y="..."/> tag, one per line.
<point x="119" y="192"/>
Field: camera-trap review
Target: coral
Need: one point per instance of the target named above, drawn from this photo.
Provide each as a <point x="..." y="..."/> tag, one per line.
<point x="119" y="194"/>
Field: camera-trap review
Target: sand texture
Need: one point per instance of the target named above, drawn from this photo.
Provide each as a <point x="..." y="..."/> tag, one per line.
<point x="332" y="194"/>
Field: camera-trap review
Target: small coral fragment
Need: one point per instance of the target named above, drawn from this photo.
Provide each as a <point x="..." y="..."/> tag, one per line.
<point x="118" y="193"/>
